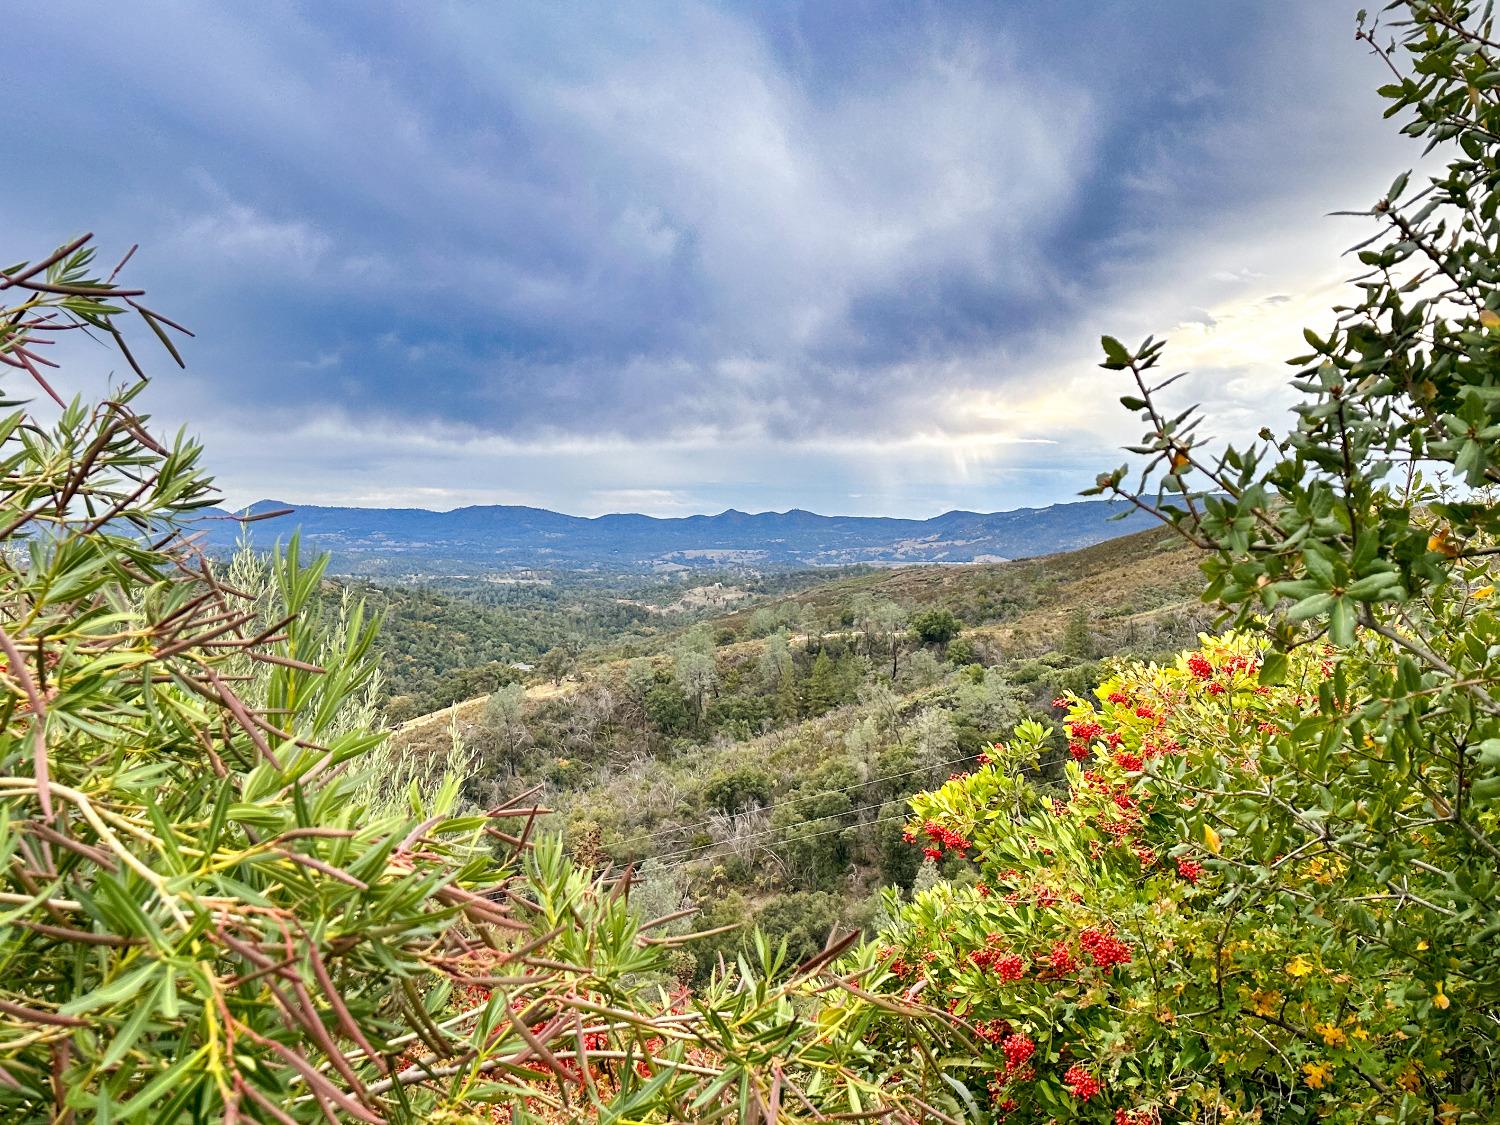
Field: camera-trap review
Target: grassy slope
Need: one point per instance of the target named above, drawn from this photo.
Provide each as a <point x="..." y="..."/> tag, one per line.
<point x="1021" y="608"/>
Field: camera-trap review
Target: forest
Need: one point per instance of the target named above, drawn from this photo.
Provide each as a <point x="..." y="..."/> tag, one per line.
<point x="1197" y="824"/>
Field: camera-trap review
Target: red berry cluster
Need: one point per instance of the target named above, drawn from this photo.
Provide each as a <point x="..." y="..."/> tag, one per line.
<point x="1199" y="666"/>
<point x="1062" y="959"/>
<point x="942" y="837"/>
<point x="1130" y="763"/>
<point x="1084" y="730"/>
<point x="1104" y="949"/>
<point x="1153" y="749"/>
<point x="993" y="1031"/>
<point x="1189" y="869"/>
<point x="1080" y="1083"/>
<point x="1006" y="966"/>
<point x="1119" y="697"/>
<point x="1018" y="1049"/>
<point x="1010" y="967"/>
<point x="1147" y="1116"/>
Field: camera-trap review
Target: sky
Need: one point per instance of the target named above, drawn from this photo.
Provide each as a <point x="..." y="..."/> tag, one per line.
<point x="853" y="257"/>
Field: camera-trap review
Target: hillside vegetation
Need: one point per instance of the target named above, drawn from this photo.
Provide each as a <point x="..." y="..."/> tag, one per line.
<point x="446" y="640"/>
<point x="1026" y="850"/>
<point x="765" y="777"/>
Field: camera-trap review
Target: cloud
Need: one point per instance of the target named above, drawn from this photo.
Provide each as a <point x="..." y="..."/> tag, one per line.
<point x="561" y="253"/>
<point x="239" y="235"/>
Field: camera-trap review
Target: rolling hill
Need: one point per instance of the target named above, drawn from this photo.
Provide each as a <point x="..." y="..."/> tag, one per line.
<point x="487" y="539"/>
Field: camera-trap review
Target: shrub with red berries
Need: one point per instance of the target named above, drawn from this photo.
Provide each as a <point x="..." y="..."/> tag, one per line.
<point x="1086" y="934"/>
<point x="1081" y="1082"/>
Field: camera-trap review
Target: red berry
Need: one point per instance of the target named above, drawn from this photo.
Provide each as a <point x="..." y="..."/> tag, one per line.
<point x="1017" y="1048"/>
<point x="1080" y="1083"/>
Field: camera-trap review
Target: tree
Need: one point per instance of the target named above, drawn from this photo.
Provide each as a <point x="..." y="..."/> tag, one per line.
<point x="822" y="693"/>
<point x="1078" y="641"/>
<point x="933" y="738"/>
<point x="502" y="713"/>
<point x="811" y="841"/>
<point x="962" y="653"/>
<point x="557" y="663"/>
<point x="739" y="790"/>
<point x="888" y="621"/>
<point x="779" y="676"/>
<point x="668" y="708"/>
<point x="776" y="662"/>
<point x="935" y="627"/>
<point x="697" y="675"/>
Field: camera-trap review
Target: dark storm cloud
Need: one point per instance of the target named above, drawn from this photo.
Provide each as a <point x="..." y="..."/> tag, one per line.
<point x="546" y="222"/>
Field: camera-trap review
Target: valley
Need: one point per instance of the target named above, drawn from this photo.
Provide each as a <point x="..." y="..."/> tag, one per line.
<point x="756" y="765"/>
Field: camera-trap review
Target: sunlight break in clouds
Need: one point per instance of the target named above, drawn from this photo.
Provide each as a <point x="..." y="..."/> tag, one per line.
<point x="702" y="255"/>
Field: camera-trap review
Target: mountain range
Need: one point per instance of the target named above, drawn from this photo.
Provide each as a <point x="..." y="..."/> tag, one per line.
<point x="507" y="538"/>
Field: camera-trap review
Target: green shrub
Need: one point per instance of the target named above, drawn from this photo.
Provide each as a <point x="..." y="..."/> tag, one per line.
<point x="224" y="900"/>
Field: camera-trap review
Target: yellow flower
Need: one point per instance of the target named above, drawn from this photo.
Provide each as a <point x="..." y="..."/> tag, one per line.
<point x="1439" y="1000"/>
<point x="1317" y="1075"/>
<point x="1266" y="1003"/>
<point x="1421" y="945"/>
<point x="1360" y="1033"/>
<point x="1299" y="966"/>
<point x="1332" y="1035"/>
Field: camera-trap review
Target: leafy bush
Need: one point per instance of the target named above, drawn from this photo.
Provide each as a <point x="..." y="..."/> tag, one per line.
<point x="1271" y="885"/>
<point x="1326" y="949"/>
<point x="738" y="790"/>
<point x="224" y="900"/>
<point x="935" y="626"/>
<point x="1151" y="926"/>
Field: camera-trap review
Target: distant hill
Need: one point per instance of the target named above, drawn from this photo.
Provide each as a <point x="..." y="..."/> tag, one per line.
<point x="395" y="541"/>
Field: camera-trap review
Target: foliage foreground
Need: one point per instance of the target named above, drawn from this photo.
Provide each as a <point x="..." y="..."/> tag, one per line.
<point x="223" y="900"/>
<point x="1266" y="887"/>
